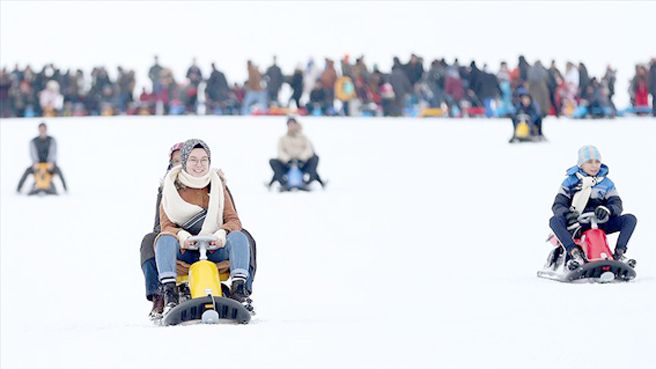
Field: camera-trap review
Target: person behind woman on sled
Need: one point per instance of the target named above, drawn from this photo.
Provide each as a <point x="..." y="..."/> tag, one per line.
<point x="192" y="192"/>
<point x="587" y="188"/>
<point x="295" y="148"/>
<point x="43" y="149"/>
<point x="526" y="110"/>
<point x="147" y="252"/>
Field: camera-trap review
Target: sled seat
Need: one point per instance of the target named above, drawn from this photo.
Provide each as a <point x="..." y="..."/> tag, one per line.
<point x="42" y="177"/>
<point x="183" y="270"/>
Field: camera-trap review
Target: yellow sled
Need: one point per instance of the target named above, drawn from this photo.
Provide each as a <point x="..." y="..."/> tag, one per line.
<point x="522" y="131"/>
<point x="43" y="181"/>
<point x="203" y="295"/>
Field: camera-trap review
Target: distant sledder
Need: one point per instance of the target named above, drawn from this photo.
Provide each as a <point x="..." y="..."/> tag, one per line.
<point x="43" y="151"/>
<point x="295" y="168"/>
<point x="587" y="208"/>
<point x="527" y="120"/>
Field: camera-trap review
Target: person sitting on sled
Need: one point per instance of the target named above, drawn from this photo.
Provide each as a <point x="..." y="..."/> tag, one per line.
<point x="528" y="111"/>
<point x="191" y="190"/>
<point x="43" y="149"/>
<point x="587" y="188"/>
<point x="295" y="147"/>
<point x="147" y="252"/>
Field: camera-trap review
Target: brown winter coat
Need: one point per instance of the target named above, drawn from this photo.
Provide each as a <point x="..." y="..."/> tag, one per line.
<point x="201" y="198"/>
<point x="254" y="82"/>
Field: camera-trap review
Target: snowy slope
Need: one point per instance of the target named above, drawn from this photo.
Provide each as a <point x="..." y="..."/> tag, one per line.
<point x="421" y="253"/>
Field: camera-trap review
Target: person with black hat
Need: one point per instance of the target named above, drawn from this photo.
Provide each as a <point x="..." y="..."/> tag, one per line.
<point x="43" y="149"/>
<point x="295" y="147"/>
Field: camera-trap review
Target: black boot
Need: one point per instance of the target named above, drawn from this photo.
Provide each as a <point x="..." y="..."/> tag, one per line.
<point x="576" y="260"/>
<point x="238" y="290"/>
<point x="170" y="292"/>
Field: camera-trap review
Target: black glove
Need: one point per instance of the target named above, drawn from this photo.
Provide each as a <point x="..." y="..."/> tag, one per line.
<point x="572" y="217"/>
<point x="602" y="213"/>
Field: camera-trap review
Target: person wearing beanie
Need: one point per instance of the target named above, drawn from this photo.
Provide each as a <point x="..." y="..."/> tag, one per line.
<point x="295" y="147"/>
<point x="193" y="189"/>
<point x="587" y="188"/>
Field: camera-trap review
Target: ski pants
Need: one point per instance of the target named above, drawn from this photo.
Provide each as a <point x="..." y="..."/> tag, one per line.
<point x="625" y="224"/>
<point x="309" y="167"/>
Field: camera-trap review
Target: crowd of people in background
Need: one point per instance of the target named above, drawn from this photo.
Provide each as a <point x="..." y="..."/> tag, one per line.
<point x="344" y="88"/>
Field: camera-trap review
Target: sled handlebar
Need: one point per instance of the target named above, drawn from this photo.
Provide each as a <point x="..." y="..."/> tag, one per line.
<point x="589" y="217"/>
<point x="198" y="242"/>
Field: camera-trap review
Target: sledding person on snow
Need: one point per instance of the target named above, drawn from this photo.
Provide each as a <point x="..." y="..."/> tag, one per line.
<point x="148" y="264"/>
<point x="526" y="112"/>
<point x="189" y="190"/>
<point x="295" y="148"/>
<point x="43" y="149"/>
<point x="588" y="189"/>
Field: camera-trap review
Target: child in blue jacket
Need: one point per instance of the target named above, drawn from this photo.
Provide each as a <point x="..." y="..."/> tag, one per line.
<point x="588" y="189"/>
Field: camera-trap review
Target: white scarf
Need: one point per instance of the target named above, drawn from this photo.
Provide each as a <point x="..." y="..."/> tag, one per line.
<point x="580" y="199"/>
<point x="180" y="211"/>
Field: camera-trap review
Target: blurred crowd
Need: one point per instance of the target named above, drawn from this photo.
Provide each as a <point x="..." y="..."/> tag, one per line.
<point x="344" y="88"/>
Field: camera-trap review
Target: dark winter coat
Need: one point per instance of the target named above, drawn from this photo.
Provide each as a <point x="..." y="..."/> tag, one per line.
<point x="275" y="79"/>
<point x="603" y="193"/>
<point x="532" y="110"/>
<point x="296" y="83"/>
<point x="538" y="78"/>
<point x="318" y="96"/>
<point x="584" y="80"/>
<point x="400" y="83"/>
<point x="43" y="150"/>
<point x="217" y="86"/>
<point x="414" y="72"/>
<point x="523" y="69"/>
<point x="488" y="86"/>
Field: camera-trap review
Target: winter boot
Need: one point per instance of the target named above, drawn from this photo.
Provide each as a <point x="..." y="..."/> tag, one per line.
<point x="577" y="259"/>
<point x="170" y="296"/>
<point x="158" y="307"/>
<point x="238" y="290"/>
<point x="239" y="293"/>
<point x="619" y="256"/>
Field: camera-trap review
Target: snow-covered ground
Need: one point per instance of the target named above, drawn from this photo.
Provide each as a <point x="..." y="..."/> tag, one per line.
<point x="421" y="253"/>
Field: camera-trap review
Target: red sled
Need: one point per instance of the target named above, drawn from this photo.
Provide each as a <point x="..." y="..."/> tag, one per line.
<point x="599" y="266"/>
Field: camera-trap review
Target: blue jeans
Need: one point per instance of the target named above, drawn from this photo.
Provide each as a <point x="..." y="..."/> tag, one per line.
<point x="236" y="249"/>
<point x="149" y="268"/>
<point x="625" y="224"/>
<point x="258" y="97"/>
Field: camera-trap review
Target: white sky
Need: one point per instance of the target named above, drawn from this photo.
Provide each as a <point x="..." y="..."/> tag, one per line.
<point x="84" y="34"/>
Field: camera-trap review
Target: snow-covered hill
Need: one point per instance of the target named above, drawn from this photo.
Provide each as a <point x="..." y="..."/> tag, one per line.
<point x="421" y="253"/>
